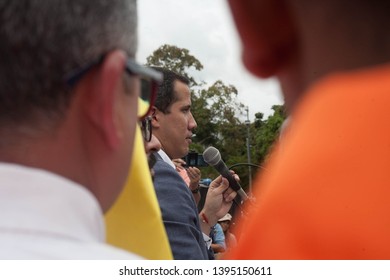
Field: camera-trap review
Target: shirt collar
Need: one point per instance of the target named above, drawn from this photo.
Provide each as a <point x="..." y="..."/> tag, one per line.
<point x="166" y="158"/>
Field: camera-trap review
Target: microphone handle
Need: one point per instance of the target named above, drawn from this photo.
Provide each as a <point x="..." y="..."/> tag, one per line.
<point x="224" y="171"/>
<point x="242" y="194"/>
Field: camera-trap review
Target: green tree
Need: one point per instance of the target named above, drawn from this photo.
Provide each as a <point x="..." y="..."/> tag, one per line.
<point x="217" y="112"/>
<point x="176" y="59"/>
<point x="268" y="131"/>
<point x="258" y="120"/>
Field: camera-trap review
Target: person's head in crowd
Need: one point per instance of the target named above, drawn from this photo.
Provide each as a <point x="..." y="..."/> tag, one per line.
<point x="173" y="122"/>
<point x="225" y="222"/>
<point x="70" y="89"/>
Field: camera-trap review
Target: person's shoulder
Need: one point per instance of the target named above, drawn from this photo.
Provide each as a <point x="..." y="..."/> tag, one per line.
<point x="105" y="251"/>
<point x="168" y="180"/>
<point x="164" y="171"/>
<point x="218" y="226"/>
<point x="60" y="249"/>
<point x="160" y="163"/>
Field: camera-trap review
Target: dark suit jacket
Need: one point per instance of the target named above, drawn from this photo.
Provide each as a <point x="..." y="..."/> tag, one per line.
<point x="179" y="213"/>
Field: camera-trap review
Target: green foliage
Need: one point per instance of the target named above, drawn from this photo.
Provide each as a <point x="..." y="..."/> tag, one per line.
<point x="267" y="131"/>
<point x="258" y="120"/>
<point x="216" y="109"/>
<point x="176" y="59"/>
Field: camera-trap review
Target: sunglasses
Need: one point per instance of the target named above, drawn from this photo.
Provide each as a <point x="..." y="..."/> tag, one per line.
<point x="146" y="128"/>
<point x="149" y="81"/>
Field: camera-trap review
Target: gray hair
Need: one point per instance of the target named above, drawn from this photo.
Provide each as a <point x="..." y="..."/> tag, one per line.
<point x="41" y="41"/>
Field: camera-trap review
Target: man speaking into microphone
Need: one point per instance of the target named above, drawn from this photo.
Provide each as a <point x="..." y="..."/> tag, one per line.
<point x="173" y="124"/>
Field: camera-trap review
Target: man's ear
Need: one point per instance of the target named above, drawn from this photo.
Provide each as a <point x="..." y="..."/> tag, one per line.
<point x="104" y="87"/>
<point x="267" y="33"/>
<point x="155" y="113"/>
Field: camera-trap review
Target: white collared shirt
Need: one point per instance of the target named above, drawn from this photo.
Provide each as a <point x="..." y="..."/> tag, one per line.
<point x="166" y="158"/>
<point x="45" y="216"/>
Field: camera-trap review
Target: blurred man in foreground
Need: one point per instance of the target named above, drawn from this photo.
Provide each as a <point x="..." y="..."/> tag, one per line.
<point x="70" y="100"/>
<point x="326" y="195"/>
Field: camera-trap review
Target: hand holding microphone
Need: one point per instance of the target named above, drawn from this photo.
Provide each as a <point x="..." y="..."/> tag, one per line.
<point x="213" y="157"/>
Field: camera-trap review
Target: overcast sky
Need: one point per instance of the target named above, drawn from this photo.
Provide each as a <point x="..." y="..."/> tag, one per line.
<point x="206" y="29"/>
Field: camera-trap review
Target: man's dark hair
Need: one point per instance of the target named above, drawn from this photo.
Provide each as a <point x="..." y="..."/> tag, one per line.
<point x="165" y="93"/>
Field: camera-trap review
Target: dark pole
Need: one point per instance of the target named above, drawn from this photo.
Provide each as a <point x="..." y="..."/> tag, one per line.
<point x="248" y="149"/>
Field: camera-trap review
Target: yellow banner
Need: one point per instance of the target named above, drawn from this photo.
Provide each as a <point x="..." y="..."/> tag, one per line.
<point x="134" y="222"/>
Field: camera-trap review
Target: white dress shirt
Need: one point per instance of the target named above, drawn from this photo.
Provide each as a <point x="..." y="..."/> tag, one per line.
<point x="166" y="158"/>
<point x="45" y="216"/>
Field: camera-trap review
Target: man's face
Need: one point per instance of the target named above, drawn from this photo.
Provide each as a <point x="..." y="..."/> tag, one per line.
<point x="225" y="225"/>
<point x="174" y="129"/>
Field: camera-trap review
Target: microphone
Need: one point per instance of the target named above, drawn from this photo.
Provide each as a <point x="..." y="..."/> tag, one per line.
<point x="213" y="157"/>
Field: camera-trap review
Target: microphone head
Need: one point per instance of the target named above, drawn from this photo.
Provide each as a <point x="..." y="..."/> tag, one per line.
<point x="211" y="156"/>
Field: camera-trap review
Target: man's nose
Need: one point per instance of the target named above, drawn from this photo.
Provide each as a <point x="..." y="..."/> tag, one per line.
<point x="192" y="123"/>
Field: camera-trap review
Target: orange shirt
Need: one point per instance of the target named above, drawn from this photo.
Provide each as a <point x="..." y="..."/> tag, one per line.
<point x="326" y="194"/>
